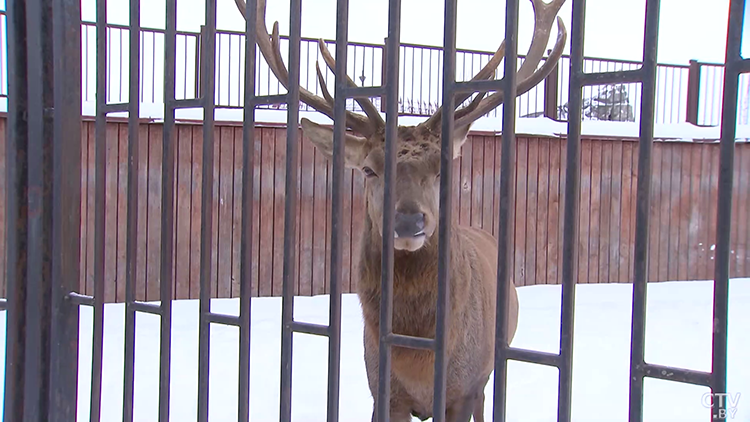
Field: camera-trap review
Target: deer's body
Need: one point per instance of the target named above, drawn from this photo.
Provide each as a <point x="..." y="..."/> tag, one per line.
<point x="471" y="326"/>
<point x="473" y="266"/>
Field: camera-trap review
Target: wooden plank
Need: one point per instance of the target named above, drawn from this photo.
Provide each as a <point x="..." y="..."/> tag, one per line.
<point x="584" y="212"/>
<point x="237" y="208"/>
<point x="257" y="169"/>
<point x="183" y="205"/>
<point x="279" y="196"/>
<point x="615" y="217"/>
<point x="713" y="205"/>
<point x="735" y="233"/>
<point x="122" y="217"/>
<point x="298" y="212"/>
<point x="519" y="262"/>
<point x="532" y="186"/>
<point x="561" y="209"/>
<point x="224" y="250"/>
<point x="705" y="210"/>
<point x="695" y="240"/>
<point x="195" y="211"/>
<point x="675" y="213"/>
<point x="553" y="216"/>
<point x="477" y="180"/>
<point x="740" y="219"/>
<point x="496" y="194"/>
<point x="88" y="202"/>
<point x="153" y="263"/>
<point x="267" y="187"/>
<point x="319" y="225"/>
<point x="605" y="211"/>
<point x="542" y="211"/>
<point x="655" y="221"/>
<point x="664" y="212"/>
<point x="595" y="234"/>
<point x="307" y="174"/>
<point x="465" y="179"/>
<point x="685" y="246"/>
<point x="627" y="219"/>
<point x="488" y="183"/>
<point x="327" y="260"/>
<point x="633" y="209"/>
<point x="215" y="221"/>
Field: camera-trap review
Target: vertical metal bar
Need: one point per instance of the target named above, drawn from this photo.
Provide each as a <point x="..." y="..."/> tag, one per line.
<point x="208" y="76"/>
<point x="290" y="209"/>
<point x="246" y="264"/>
<point x="17" y="149"/>
<point x="167" y="208"/>
<point x="570" y="217"/>
<point x="337" y="208"/>
<point x="38" y="36"/>
<point x="507" y="171"/>
<point x="733" y="61"/>
<point x="100" y="229"/>
<point x="445" y="210"/>
<point x="393" y="46"/>
<point x="66" y="209"/>
<point x="640" y="253"/>
<point x="132" y="223"/>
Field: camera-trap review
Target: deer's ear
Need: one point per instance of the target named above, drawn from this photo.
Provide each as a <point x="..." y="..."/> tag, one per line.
<point x="459" y="139"/>
<point x="355" y="148"/>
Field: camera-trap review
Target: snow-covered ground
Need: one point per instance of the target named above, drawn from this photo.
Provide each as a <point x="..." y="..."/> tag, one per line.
<point x="678" y="334"/>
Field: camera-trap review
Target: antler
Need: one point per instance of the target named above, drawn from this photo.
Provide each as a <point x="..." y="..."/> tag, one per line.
<point x="269" y="48"/>
<point x="528" y="75"/>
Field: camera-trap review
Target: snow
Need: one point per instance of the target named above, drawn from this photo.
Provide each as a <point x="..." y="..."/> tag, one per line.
<point x="678" y="333"/>
<point x="535" y="126"/>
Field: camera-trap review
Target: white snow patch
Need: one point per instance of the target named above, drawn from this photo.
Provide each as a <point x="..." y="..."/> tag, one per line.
<point x="678" y="333"/>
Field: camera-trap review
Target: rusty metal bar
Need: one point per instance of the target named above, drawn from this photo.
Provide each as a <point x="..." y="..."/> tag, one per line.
<point x="734" y="66"/>
<point x="16" y="211"/>
<point x="290" y="208"/>
<point x="207" y="75"/>
<point x="445" y="217"/>
<point x="505" y="229"/>
<point x="246" y="227"/>
<point x="391" y="83"/>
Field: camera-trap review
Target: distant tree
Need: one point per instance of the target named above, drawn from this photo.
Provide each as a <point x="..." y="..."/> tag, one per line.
<point x="611" y="102"/>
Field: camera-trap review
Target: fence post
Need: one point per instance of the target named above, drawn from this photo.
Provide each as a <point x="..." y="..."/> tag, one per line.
<point x="199" y="57"/>
<point x="693" y="92"/>
<point x="550" y="92"/>
<point x="382" y="72"/>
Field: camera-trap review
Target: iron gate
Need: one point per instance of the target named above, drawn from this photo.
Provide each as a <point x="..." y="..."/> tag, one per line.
<point x="43" y="168"/>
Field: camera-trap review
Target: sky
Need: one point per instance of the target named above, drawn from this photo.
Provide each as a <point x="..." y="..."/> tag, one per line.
<point x="614" y="28"/>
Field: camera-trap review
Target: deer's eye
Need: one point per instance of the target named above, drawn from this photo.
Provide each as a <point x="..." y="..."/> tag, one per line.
<point x="368" y="172"/>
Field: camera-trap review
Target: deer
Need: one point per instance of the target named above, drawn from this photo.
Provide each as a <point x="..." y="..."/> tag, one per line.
<point x="474" y="251"/>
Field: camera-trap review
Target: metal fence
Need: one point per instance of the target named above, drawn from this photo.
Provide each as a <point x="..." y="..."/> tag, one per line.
<point x="44" y="150"/>
<point x="420" y="76"/>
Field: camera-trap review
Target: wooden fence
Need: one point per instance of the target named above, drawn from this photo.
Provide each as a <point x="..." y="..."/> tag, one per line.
<point x="682" y="226"/>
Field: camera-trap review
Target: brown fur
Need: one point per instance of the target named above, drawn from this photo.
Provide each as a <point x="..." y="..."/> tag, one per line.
<point x="473" y="277"/>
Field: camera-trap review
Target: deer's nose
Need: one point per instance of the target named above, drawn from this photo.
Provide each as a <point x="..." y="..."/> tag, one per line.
<point x="409" y="225"/>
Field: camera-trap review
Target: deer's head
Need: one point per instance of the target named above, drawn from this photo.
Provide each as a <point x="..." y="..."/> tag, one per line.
<point x="418" y="147"/>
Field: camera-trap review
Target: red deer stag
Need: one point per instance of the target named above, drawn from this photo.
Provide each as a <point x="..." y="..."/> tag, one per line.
<point x="473" y="272"/>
